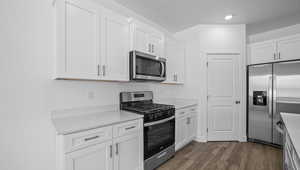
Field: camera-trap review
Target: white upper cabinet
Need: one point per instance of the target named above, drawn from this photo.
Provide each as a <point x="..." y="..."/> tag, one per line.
<point x="77" y="42"/>
<point x="288" y="48"/>
<point x="275" y="50"/>
<point x="262" y="52"/>
<point x="116" y="47"/>
<point x="175" y="55"/>
<point x="140" y="38"/>
<point x="146" y="39"/>
<point x="92" y="42"/>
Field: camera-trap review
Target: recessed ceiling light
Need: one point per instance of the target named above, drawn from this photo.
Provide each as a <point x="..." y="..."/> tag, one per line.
<point x="228" y="17"/>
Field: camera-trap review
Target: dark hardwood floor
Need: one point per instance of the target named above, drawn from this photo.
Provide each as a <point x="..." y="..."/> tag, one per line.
<point x="225" y="156"/>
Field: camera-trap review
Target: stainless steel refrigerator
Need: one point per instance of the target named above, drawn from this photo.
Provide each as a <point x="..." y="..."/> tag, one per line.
<point x="272" y="88"/>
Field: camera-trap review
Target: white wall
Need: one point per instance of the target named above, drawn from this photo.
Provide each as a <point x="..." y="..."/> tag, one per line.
<point x="275" y="23"/>
<point x="274" y="34"/>
<point x="27" y="92"/>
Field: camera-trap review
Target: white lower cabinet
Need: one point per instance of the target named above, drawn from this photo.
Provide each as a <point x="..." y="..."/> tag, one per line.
<point x="180" y="135"/>
<point x="186" y="126"/>
<point x="128" y="155"/>
<point x="119" y="152"/>
<point x="92" y="158"/>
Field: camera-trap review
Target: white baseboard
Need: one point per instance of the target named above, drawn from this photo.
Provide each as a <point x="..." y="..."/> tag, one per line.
<point x="201" y="139"/>
<point x="243" y="139"/>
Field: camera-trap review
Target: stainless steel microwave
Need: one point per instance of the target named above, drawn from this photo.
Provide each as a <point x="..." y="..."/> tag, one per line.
<point x="146" y="67"/>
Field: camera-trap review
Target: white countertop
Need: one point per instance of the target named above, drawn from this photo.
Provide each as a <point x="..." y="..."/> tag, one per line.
<point x="292" y="124"/>
<point x="178" y="103"/>
<point x="86" y="118"/>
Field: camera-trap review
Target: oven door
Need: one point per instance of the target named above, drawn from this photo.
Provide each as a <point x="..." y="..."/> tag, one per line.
<point x="147" y="67"/>
<point x="158" y="136"/>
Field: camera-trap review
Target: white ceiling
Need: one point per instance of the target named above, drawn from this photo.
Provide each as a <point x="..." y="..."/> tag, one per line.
<point x="176" y="15"/>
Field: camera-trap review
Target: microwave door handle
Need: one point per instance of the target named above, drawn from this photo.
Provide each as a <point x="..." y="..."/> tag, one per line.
<point x="162" y="69"/>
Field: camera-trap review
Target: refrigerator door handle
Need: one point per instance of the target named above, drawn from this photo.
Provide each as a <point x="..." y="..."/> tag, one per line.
<point x="274" y="94"/>
<point x="279" y="127"/>
<point x="270" y="96"/>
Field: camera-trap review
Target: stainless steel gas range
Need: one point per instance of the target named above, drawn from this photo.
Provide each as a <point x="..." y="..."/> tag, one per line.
<point x="159" y="126"/>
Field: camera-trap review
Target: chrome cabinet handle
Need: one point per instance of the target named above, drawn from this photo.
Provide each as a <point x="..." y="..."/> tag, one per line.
<point x="149" y="47"/>
<point x="152" y="48"/>
<point x="110" y="147"/>
<point x="188" y="121"/>
<point x="104" y="70"/>
<point x="98" y="70"/>
<point x="128" y="128"/>
<point x="117" y="149"/>
<point x="91" y="138"/>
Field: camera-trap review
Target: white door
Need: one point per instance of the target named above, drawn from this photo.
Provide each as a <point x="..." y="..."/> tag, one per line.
<point x="288" y="48"/>
<point x="222" y="94"/>
<point x="262" y="52"/>
<point x="97" y="157"/>
<point x="116" y="47"/>
<point x="77" y="38"/>
<point x="129" y="152"/>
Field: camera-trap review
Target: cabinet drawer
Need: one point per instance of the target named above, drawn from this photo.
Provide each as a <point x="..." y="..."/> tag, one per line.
<point x="126" y="128"/>
<point x="82" y="139"/>
<point x="192" y="109"/>
<point x="181" y="112"/>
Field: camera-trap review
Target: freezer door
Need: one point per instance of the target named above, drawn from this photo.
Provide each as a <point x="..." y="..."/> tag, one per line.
<point x="286" y="93"/>
<point x="260" y="103"/>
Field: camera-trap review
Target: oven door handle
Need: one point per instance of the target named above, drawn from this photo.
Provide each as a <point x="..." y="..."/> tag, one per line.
<point x="159" y="122"/>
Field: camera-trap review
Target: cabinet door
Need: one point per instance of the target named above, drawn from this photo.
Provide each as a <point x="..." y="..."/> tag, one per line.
<point x="192" y="127"/>
<point x="288" y="48"/>
<point x="77" y="39"/>
<point x="116" y="47"/>
<point x="129" y="152"/>
<point x="171" y="60"/>
<point x="140" y="38"/>
<point x="92" y="158"/>
<point x="156" y="45"/>
<point x="175" y="55"/>
<point x="180" y="132"/>
<point x="180" y="64"/>
<point x="262" y="52"/>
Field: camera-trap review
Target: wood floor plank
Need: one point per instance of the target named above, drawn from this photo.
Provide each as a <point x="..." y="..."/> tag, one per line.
<point x="225" y="156"/>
